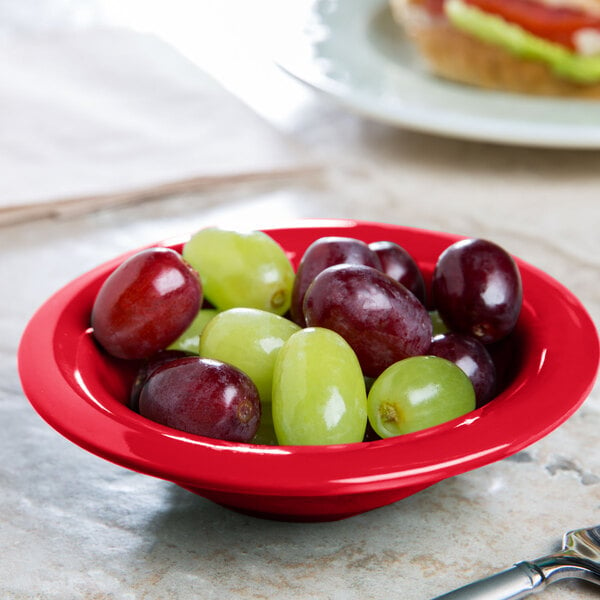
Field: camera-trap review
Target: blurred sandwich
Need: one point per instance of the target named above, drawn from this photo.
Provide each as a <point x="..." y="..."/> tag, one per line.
<point x="549" y="47"/>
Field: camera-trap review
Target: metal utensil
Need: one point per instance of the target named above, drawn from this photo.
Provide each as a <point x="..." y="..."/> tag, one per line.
<point x="578" y="559"/>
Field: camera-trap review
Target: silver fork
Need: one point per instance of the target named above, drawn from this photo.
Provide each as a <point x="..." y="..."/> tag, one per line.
<point x="578" y="559"/>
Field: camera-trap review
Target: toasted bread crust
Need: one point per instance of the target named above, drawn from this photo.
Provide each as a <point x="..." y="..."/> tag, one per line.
<point x="454" y="55"/>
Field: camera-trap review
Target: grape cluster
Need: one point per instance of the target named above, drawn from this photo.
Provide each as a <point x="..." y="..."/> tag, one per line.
<point x="353" y="346"/>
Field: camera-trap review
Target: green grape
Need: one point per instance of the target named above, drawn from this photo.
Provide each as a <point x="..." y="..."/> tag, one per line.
<point x="247" y="269"/>
<point x="319" y="394"/>
<point x="189" y="340"/>
<point x="416" y="393"/>
<point x="438" y="325"/>
<point x="265" y="436"/>
<point x="248" y="339"/>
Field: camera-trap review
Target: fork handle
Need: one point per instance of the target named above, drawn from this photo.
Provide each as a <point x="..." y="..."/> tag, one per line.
<point x="521" y="580"/>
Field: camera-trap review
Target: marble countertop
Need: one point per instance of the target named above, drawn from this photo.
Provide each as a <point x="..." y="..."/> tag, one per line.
<point x="74" y="526"/>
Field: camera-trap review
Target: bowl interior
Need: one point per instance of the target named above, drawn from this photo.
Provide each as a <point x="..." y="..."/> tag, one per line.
<point x="548" y="367"/>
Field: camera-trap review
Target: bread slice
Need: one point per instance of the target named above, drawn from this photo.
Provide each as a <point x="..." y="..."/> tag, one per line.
<point x="454" y="55"/>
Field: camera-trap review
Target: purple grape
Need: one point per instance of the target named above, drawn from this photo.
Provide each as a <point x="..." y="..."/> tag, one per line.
<point x="322" y="253"/>
<point x="370" y="434"/>
<point x="380" y="319"/>
<point x="203" y="397"/>
<point x="147" y="368"/>
<point x="400" y="265"/>
<point x="507" y="355"/>
<point x="472" y="357"/>
<point x="477" y="289"/>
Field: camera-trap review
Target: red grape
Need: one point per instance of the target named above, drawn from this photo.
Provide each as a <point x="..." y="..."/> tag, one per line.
<point x="472" y="357"/>
<point x="322" y="253"/>
<point x="203" y="397"/>
<point x="146" y="303"/>
<point x="477" y="289"/>
<point x="400" y="265"/>
<point x="381" y="320"/>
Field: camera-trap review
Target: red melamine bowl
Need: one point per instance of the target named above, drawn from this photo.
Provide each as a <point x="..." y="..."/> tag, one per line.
<point x="82" y="393"/>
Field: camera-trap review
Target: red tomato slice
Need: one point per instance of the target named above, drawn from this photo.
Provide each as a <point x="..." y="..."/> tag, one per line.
<point x="552" y="23"/>
<point x="434" y="7"/>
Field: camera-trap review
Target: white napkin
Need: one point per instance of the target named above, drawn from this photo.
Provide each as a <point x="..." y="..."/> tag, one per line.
<point x="100" y="116"/>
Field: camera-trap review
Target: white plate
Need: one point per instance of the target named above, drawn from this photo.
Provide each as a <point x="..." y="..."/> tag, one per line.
<point x="354" y="52"/>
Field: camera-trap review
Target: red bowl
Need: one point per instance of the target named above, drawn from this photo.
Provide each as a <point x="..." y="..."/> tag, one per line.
<point x="82" y="393"/>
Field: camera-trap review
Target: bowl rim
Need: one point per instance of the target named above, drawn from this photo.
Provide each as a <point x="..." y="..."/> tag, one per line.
<point x="563" y="341"/>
